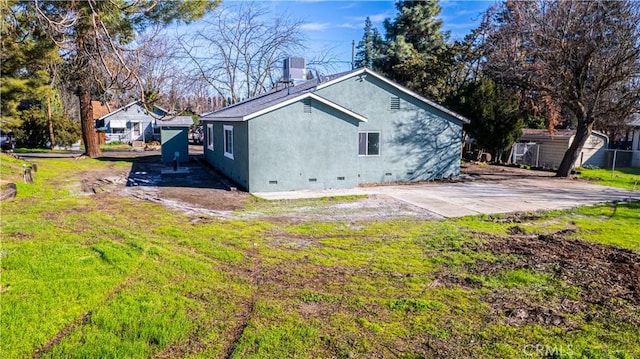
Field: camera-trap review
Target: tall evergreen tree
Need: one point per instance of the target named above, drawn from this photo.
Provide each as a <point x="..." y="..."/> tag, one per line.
<point x="369" y="47"/>
<point x="496" y="121"/>
<point x="416" y="53"/>
<point x="27" y="53"/>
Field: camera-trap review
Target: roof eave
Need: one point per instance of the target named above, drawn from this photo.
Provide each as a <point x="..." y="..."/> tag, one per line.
<point x="222" y="118"/>
<point x="399" y="87"/>
<point x="302" y="97"/>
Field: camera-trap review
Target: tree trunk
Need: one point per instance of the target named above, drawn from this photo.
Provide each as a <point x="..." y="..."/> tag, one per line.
<point x="51" y="136"/>
<point x="91" y="146"/>
<point x="582" y="134"/>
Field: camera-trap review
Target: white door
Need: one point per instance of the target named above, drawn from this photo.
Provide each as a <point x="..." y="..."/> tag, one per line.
<point x="137" y="127"/>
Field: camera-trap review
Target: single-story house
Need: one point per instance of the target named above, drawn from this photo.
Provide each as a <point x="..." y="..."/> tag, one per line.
<point x="336" y="131"/>
<point x="133" y="122"/>
<point x="548" y="147"/>
<point x="635" y="143"/>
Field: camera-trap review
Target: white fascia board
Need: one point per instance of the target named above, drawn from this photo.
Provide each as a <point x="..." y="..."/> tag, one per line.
<point x="338" y="107"/>
<point x="118" y="110"/>
<point x="397" y="86"/>
<point x="302" y="97"/>
<point x="341" y="78"/>
<point x="221" y="119"/>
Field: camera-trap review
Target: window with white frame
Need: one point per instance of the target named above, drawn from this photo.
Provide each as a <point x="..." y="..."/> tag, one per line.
<point x="228" y="141"/>
<point x="210" y="136"/>
<point x="369" y="143"/>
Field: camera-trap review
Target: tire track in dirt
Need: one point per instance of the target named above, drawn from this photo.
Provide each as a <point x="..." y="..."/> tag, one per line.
<point x="195" y="344"/>
<point x="83" y="319"/>
<point x="247" y="313"/>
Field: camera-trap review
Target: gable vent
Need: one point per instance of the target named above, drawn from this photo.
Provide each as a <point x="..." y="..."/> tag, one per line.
<point x="395" y="103"/>
<point x="307" y="105"/>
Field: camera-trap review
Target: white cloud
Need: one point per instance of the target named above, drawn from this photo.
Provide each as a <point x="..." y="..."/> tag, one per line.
<point x="351" y="26"/>
<point x="379" y="17"/>
<point x="315" y="26"/>
<point x="375" y="18"/>
<point x="349" y="5"/>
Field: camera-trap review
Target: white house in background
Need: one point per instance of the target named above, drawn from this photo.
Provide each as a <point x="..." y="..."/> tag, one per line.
<point x="548" y="148"/>
<point x="133" y="122"/>
<point x="635" y="144"/>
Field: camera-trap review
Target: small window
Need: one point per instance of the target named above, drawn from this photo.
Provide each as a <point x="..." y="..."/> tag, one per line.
<point x="313" y="180"/>
<point x="228" y="141"/>
<point x="210" y="136"/>
<point x="369" y="143"/>
<point x="340" y="178"/>
<point x="395" y="103"/>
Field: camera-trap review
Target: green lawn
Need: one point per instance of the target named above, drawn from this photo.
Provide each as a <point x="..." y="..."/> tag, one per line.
<point x="628" y="178"/>
<point x="103" y="276"/>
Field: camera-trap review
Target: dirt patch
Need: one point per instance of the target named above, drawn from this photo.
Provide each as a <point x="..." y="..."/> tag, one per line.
<point x="487" y="172"/>
<point x="8" y="190"/>
<point x="195" y="190"/>
<point x="603" y="274"/>
<point x="372" y="208"/>
<point x="220" y="200"/>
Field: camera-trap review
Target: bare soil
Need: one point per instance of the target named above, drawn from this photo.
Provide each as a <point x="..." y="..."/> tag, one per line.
<point x="202" y="192"/>
<point x="606" y="277"/>
<point x="487" y="172"/>
<point x="196" y="189"/>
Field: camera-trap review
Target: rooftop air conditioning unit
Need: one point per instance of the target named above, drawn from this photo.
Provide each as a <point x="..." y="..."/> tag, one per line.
<point x="294" y="70"/>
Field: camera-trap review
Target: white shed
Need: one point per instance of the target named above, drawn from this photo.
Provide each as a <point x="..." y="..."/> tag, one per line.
<point x="553" y="145"/>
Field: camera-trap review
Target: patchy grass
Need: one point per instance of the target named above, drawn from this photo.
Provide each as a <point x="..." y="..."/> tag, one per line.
<point x="107" y="276"/>
<point x="115" y="146"/>
<point x="628" y="178"/>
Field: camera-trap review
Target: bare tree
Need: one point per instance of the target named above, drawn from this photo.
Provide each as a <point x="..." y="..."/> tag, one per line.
<point x="238" y="50"/>
<point x="92" y="37"/>
<point x="578" y="56"/>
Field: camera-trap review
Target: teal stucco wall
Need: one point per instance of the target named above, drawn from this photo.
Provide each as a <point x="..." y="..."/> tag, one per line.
<point x="418" y="141"/>
<point x="236" y="168"/>
<point x="309" y="145"/>
<point x="305" y="145"/>
<point x="174" y="139"/>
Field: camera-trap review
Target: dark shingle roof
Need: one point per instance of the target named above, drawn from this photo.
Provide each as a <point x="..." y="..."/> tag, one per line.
<point x="239" y="111"/>
<point x="178" y="121"/>
<point x="270" y="98"/>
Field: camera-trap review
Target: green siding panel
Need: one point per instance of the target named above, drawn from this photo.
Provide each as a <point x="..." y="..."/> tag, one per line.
<point x="174" y="139"/>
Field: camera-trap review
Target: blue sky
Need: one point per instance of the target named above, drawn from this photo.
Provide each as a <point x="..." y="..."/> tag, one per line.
<point x="334" y="24"/>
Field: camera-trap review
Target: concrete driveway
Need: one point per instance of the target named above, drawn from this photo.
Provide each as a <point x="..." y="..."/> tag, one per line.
<point x="483" y="197"/>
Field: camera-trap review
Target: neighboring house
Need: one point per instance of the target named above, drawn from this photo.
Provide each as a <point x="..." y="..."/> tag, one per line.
<point x="333" y="132"/>
<point x="99" y="110"/>
<point x="132" y="122"/>
<point x="548" y="148"/>
<point x="635" y="144"/>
